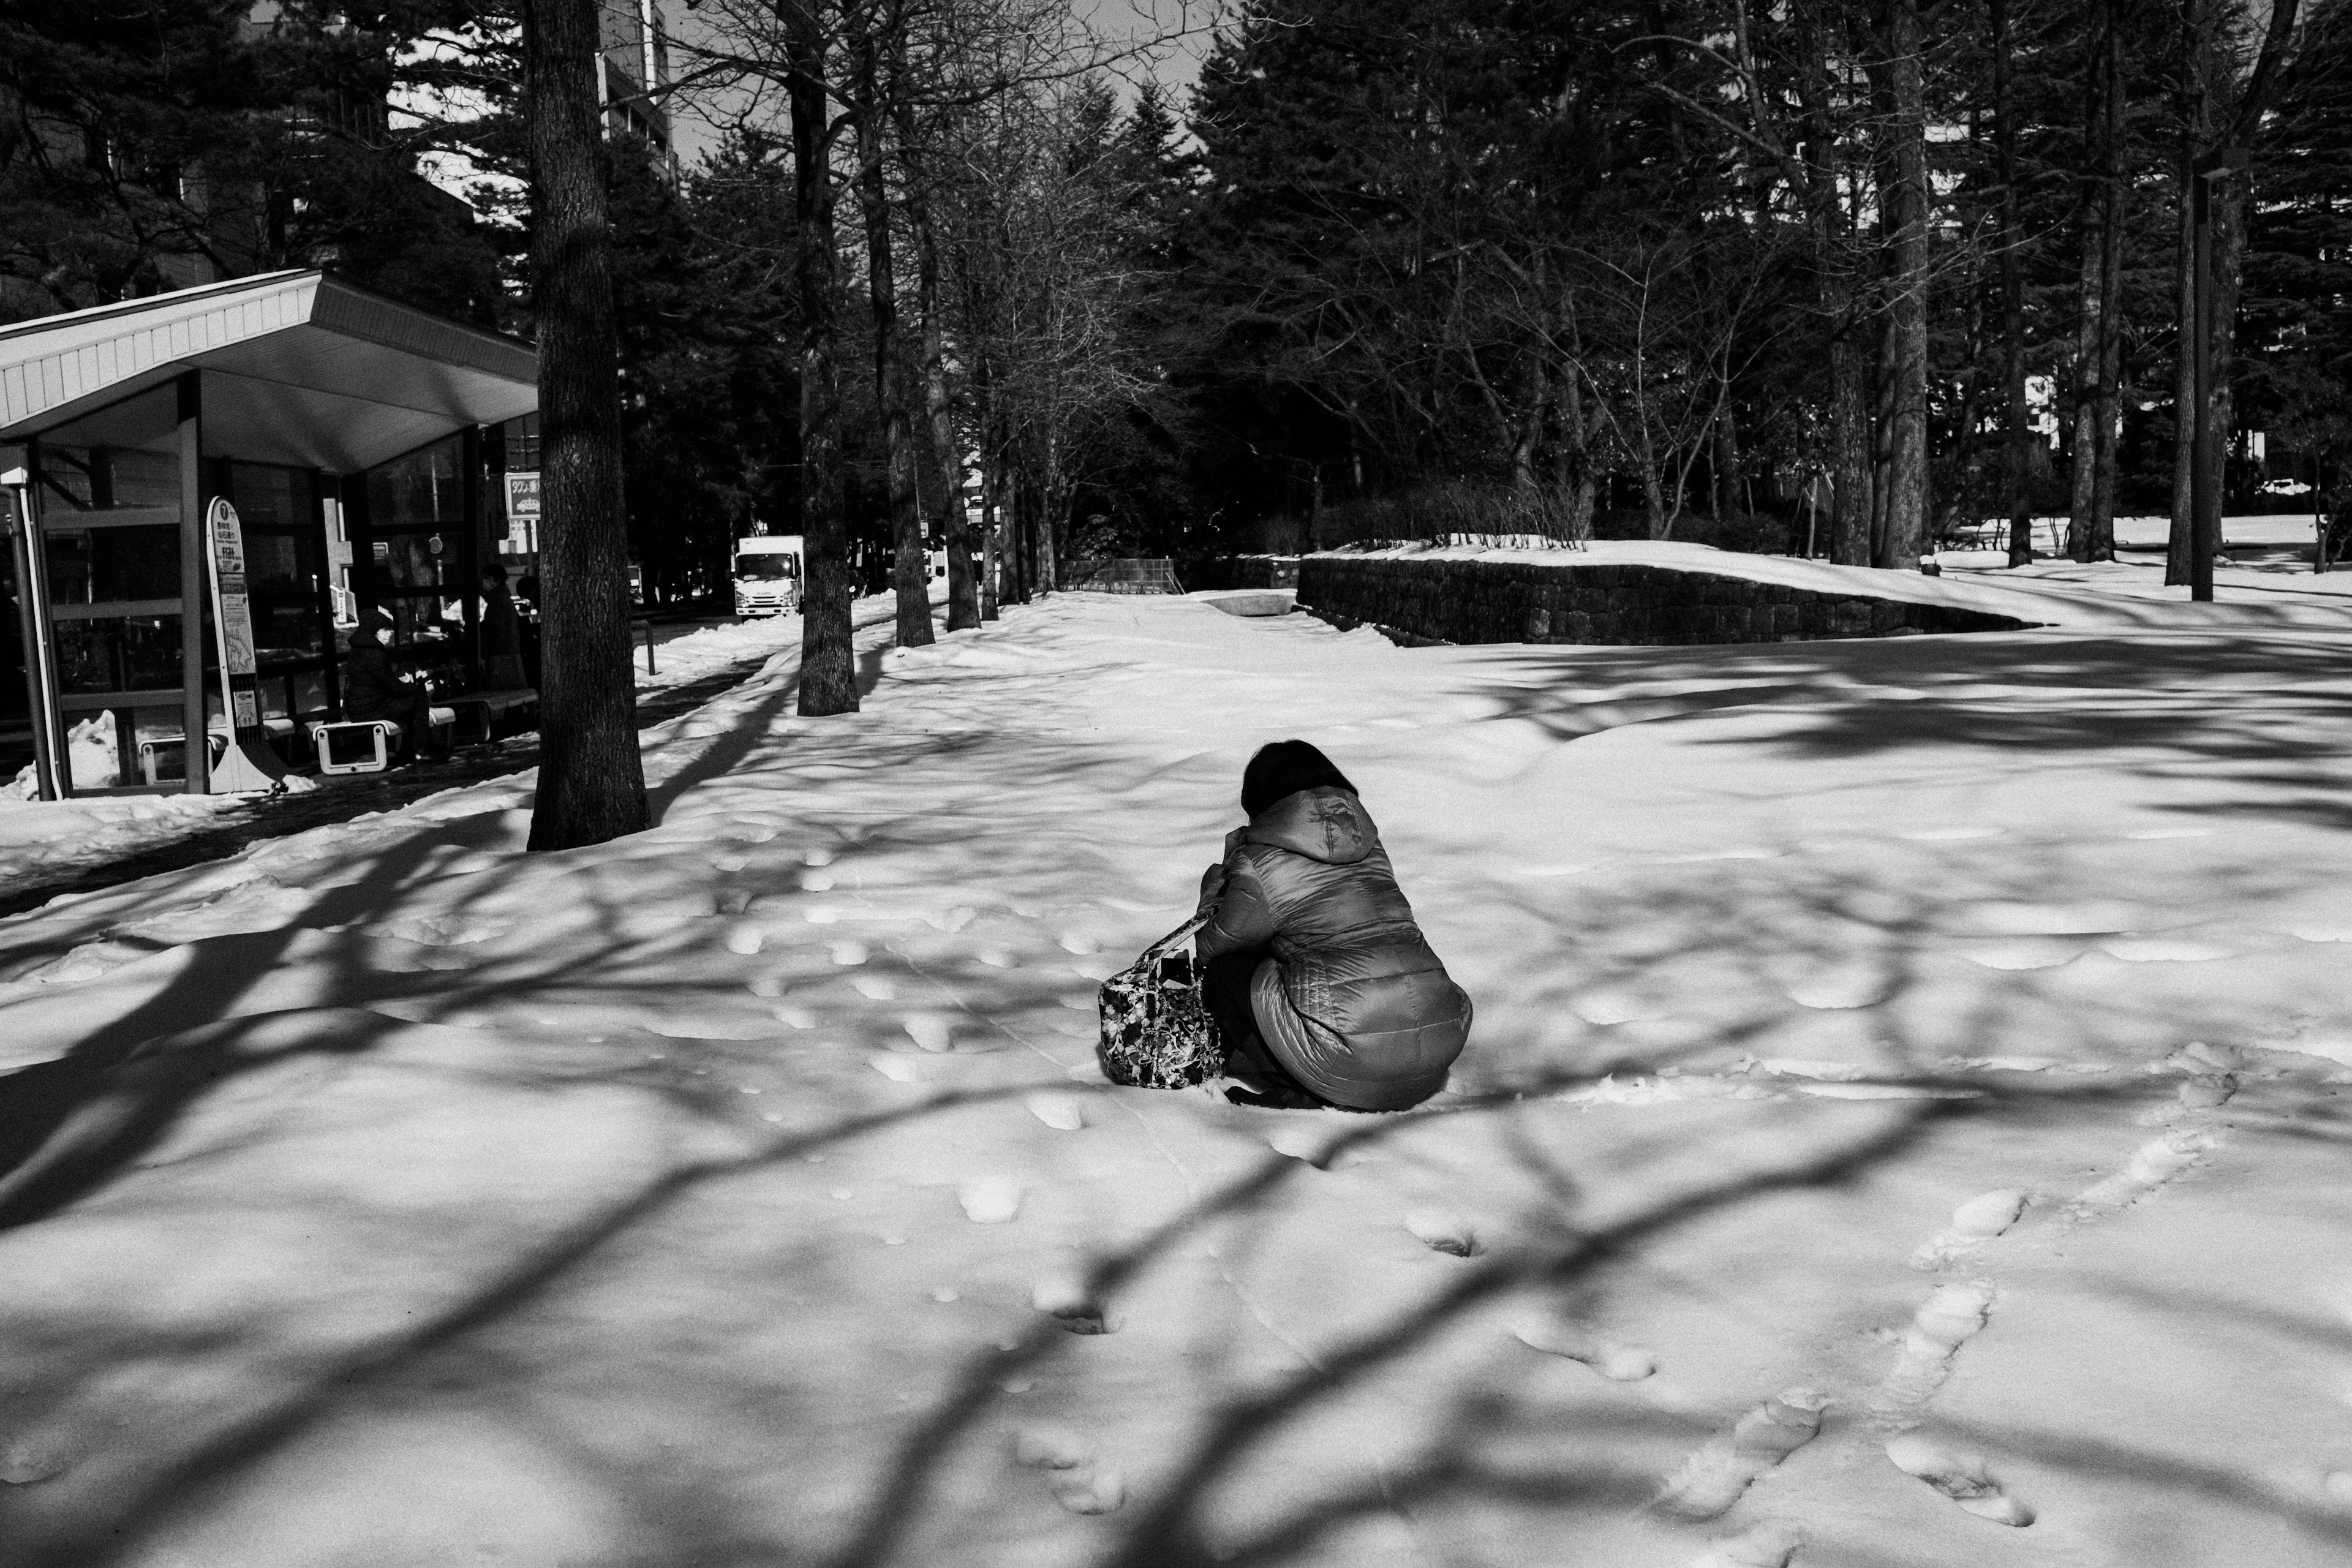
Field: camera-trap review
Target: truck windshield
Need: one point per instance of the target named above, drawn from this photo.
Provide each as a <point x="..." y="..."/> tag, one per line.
<point x="766" y="568"/>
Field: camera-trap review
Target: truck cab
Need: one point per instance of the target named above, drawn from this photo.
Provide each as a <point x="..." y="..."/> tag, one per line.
<point x="768" y="575"/>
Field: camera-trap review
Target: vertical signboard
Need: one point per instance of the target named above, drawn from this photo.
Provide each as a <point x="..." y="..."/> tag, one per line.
<point x="522" y="514"/>
<point x="232" y="620"/>
<point x="247" y="764"/>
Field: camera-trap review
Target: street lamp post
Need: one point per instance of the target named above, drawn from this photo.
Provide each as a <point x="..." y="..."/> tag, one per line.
<point x="2204" y="495"/>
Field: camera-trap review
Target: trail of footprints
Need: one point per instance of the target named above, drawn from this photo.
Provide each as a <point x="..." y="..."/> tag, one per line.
<point x="1714" y="1476"/>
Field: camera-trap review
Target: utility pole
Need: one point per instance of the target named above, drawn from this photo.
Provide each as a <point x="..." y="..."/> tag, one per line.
<point x="2204" y="492"/>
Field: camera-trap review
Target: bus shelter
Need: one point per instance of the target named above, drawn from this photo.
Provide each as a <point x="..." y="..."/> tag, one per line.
<point x="358" y="442"/>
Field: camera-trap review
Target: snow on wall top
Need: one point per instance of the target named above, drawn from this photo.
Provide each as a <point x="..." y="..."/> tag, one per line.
<point x="2038" y="600"/>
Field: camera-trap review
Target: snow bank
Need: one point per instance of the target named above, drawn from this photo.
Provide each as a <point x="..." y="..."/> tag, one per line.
<point x="2115" y="595"/>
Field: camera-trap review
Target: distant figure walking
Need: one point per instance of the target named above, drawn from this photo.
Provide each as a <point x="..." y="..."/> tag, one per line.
<point x="1321" y="984"/>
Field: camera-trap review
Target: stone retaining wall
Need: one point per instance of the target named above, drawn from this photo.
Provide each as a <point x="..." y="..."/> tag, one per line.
<point x="1460" y="601"/>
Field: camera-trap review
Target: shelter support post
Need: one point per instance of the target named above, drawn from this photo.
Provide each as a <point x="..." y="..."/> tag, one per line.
<point x="32" y="616"/>
<point x="192" y="594"/>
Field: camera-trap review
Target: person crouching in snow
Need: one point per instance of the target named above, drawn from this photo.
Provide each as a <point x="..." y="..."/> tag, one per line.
<point x="1321" y="984"/>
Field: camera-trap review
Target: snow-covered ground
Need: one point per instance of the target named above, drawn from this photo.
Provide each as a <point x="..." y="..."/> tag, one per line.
<point x="41" y="841"/>
<point x="1907" y="1100"/>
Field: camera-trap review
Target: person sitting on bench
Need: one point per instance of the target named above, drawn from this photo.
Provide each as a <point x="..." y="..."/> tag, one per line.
<point x="373" y="689"/>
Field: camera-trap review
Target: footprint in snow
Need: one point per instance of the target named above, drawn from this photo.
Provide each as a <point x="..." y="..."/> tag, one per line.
<point x="846" y="953"/>
<point x="2206" y="1090"/>
<point x="875" y="987"/>
<point x="1713" y="1478"/>
<point x="1766" y="1546"/>
<point x="28" y="1459"/>
<point x="1061" y="1112"/>
<point x="1964" y="1478"/>
<point x="1077" y="942"/>
<point x="1974" y="1223"/>
<point x="1555" y="1336"/>
<point x="1067" y="1302"/>
<point x="1442" y="1230"/>
<point x="2153" y="1166"/>
<point x="1300" y="1139"/>
<point x="1068" y="1463"/>
<point x="996" y="958"/>
<point x="990" y="1200"/>
<point x="1948" y="1319"/>
<point x="931" y="1031"/>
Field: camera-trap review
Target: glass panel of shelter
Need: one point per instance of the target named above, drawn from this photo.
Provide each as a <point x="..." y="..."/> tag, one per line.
<point x="282" y="517"/>
<point x="108" y="493"/>
<point x="417" y="517"/>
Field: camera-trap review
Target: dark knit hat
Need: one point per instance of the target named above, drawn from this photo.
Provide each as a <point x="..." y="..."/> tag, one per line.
<point x="1284" y="768"/>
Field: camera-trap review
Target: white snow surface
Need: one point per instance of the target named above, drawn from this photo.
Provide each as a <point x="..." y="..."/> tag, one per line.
<point x="43" y="840"/>
<point x="1903" y="1125"/>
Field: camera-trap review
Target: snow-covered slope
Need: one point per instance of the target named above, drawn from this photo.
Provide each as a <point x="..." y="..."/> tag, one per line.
<point x="1907" y="1098"/>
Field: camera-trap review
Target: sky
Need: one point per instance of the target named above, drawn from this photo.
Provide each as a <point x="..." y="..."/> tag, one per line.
<point x="1185" y="25"/>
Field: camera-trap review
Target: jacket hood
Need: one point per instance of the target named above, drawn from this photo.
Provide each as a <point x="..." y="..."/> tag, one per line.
<point x="1325" y="824"/>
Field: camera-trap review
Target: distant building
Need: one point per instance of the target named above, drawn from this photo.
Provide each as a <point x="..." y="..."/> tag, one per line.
<point x="632" y="70"/>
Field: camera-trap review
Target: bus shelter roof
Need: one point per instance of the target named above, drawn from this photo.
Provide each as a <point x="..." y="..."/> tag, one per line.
<point x="299" y="368"/>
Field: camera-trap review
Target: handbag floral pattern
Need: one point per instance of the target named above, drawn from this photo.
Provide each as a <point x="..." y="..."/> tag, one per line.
<point x="1156" y="1028"/>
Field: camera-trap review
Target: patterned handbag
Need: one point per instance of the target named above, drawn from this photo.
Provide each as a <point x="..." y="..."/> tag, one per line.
<point x="1156" y="1029"/>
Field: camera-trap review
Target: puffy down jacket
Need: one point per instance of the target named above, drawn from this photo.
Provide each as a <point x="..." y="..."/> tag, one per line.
<point x="1308" y="878"/>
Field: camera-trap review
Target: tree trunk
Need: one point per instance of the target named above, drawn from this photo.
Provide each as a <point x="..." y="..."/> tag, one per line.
<point x="828" y="667"/>
<point x="1906" y="535"/>
<point x="2016" y="502"/>
<point x="2229" y="244"/>
<point x="1831" y="233"/>
<point x="1726" y="465"/>
<point x="963" y="597"/>
<point x="1572" y="474"/>
<point x="1016" y="541"/>
<point x="991" y="551"/>
<point x="1053" y="507"/>
<point x="2090" y="226"/>
<point x="1536" y="396"/>
<point x="2111" y="301"/>
<point x="2184" y="370"/>
<point x="910" y="577"/>
<point x="592" y="785"/>
<point x="1882" y="443"/>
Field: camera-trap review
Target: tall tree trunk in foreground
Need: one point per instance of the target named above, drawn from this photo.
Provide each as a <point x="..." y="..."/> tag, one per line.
<point x="828" y="670"/>
<point x="910" y="577"/>
<point x="592" y="786"/>
<point x="1906" y="536"/>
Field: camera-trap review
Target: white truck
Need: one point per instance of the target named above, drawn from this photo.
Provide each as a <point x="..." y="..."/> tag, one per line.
<point x="768" y="575"/>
